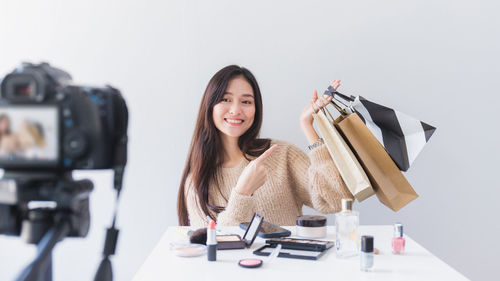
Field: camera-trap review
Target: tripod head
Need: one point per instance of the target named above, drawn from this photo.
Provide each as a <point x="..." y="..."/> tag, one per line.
<point x="31" y="203"/>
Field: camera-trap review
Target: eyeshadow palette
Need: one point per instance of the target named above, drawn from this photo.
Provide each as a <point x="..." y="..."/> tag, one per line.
<point x="289" y="253"/>
<point x="302" y="244"/>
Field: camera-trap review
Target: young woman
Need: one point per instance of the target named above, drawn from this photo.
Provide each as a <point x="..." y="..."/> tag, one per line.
<point x="230" y="172"/>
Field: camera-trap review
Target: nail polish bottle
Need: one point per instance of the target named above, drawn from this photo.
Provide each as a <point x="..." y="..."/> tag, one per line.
<point x="346" y="231"/>
<point x="398" y="242"/>
<point x="366" y="259"/>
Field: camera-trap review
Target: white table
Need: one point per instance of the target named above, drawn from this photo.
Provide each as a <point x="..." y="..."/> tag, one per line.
<point x="416" y="264"/>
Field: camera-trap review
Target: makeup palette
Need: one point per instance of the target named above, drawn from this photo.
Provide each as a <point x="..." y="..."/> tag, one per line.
<point x="231" y="241"/>
<point x="234" y="241"/>
<point x="306" y="249"/>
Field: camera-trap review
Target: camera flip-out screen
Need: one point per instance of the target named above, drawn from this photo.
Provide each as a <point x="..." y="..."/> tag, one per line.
<point x="29" y="136"/>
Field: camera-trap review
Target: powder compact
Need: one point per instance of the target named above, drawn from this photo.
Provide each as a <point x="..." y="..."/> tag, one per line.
<point x="311" y="226"/>
<point x="234" y="241"/>
<point x="189" y="250"/>
<point x="231" y="241"/>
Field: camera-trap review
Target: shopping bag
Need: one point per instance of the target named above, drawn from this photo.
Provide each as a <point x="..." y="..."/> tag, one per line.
<point x="349" y="168"/>
<point x="390" y="185"/>
<point x="402" y="136"/>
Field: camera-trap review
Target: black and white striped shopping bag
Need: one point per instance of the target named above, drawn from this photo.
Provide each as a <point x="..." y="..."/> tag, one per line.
<point x="402" y="136"/>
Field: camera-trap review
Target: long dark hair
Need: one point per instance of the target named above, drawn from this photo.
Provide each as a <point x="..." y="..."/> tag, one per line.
<point x="4" y="116"/>
<point x="205" y="155"/>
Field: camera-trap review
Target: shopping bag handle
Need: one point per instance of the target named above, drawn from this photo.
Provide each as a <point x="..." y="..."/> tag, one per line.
<point x="327" y="113"/>
<point x="330" y="91"/>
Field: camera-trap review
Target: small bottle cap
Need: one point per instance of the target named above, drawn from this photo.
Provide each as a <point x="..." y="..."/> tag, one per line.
<point x="346" y="205"/>
<point x="398" y="230"/>
<point x="367" y="244"/>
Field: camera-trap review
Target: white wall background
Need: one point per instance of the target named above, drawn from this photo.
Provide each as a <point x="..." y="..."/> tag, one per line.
<point x="435" y="60"/>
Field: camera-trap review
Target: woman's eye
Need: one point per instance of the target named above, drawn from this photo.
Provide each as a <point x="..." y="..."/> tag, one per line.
<point x="247" y="102"/>
<point x="225" y="100"/>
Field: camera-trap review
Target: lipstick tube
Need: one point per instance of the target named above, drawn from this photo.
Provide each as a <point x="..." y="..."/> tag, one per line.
<point x="211" y="241"/>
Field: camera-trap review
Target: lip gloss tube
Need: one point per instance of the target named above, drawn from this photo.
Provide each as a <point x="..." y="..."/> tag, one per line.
<point x="211" y="242"/>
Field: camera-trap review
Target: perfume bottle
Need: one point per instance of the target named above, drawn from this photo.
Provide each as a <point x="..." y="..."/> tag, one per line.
<point x="366" y="260"/>
<point x="346" y="230"/>
<point x="398" y="242"/>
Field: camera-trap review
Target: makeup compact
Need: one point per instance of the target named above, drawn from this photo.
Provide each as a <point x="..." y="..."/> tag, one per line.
<point x="250" y="263"/>
<point x="233" y="241"/>
<point x="189" y="250"/>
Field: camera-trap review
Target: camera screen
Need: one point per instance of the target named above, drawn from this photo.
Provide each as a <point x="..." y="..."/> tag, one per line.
<point x="28" y="135"/>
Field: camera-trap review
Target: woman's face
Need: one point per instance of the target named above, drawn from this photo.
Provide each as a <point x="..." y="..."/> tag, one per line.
<point x="234" y="114"/>
<point x="4" y="125"/>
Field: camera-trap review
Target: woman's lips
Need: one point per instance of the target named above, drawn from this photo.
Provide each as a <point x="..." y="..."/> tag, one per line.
<point x="234" y="122"/>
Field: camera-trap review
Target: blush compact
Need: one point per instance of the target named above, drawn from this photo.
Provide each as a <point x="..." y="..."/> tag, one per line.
<point x="250" y="263"/>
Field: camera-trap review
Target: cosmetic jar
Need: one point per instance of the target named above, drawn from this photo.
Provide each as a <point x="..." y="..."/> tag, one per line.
<point x="366" y="256"/>
<point x="311" y="226"/>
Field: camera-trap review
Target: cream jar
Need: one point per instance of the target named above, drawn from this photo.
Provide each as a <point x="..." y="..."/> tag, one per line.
<point x="310" y="226"/>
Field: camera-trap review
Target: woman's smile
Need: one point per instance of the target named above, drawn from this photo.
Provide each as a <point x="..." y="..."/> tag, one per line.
<point x="234" y="121"/>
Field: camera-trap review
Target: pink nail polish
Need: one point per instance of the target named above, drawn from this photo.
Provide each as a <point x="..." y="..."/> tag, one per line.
<point x="398" y="242"/>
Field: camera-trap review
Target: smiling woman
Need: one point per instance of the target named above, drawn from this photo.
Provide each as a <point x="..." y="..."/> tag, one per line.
<point x="228" y="173"/>
<point x="234" y="114"/>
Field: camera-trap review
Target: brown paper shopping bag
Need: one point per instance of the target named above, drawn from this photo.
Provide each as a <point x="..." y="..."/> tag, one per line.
<point x="390" y="185"/>
<point x="349" y="168"/>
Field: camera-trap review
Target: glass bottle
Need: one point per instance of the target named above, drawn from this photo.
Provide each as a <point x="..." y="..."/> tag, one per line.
<point x="366" y="259"/>
<point x="346" y="230"/>
<point x="398" y="242"/>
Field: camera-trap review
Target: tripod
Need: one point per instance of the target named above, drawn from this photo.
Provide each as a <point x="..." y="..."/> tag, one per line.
<point x="47" y="208"/>
<point x="41" y="267"/>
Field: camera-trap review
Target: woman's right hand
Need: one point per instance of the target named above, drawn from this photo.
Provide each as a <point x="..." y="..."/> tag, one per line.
<point x="255" y="174"/>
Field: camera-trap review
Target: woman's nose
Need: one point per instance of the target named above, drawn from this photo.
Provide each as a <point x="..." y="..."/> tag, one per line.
<point x="235" y="109"/>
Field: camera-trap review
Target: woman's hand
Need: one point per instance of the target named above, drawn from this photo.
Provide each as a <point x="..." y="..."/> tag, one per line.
<point x="306" y="117"/>
<point x="255" y="174"/>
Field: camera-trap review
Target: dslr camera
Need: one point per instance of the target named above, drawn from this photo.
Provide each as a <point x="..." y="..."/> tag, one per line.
<point x="48" y="124"/>
<point x="48" y="128"/>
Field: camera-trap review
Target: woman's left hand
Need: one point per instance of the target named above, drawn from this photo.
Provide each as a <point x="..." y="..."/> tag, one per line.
<point x="306" y="117"/>
<point x="316" y="104"/>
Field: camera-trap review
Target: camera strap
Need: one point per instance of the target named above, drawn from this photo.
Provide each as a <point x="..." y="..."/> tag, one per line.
<point x="105" y="272"/>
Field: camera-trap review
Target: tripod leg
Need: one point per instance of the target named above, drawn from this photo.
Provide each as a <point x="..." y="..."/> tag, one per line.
<point x="41" y="267"/>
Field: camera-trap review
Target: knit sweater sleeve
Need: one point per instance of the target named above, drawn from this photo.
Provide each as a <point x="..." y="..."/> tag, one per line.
<point x="240" y="208"/>
<point x="317" y="181"/>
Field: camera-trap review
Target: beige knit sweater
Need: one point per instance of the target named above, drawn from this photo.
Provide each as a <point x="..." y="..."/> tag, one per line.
<point x="294" y="179"/>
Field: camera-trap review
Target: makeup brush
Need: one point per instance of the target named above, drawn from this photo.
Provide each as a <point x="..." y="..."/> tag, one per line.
<point x="199" y="236"/>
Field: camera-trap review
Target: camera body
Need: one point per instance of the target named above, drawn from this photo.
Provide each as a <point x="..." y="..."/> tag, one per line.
<point x="48" y="128"/>
<point x="60" y="126"/>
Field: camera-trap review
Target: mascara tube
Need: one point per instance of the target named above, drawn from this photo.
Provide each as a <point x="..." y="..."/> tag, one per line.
<point x="211" y="241"/>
